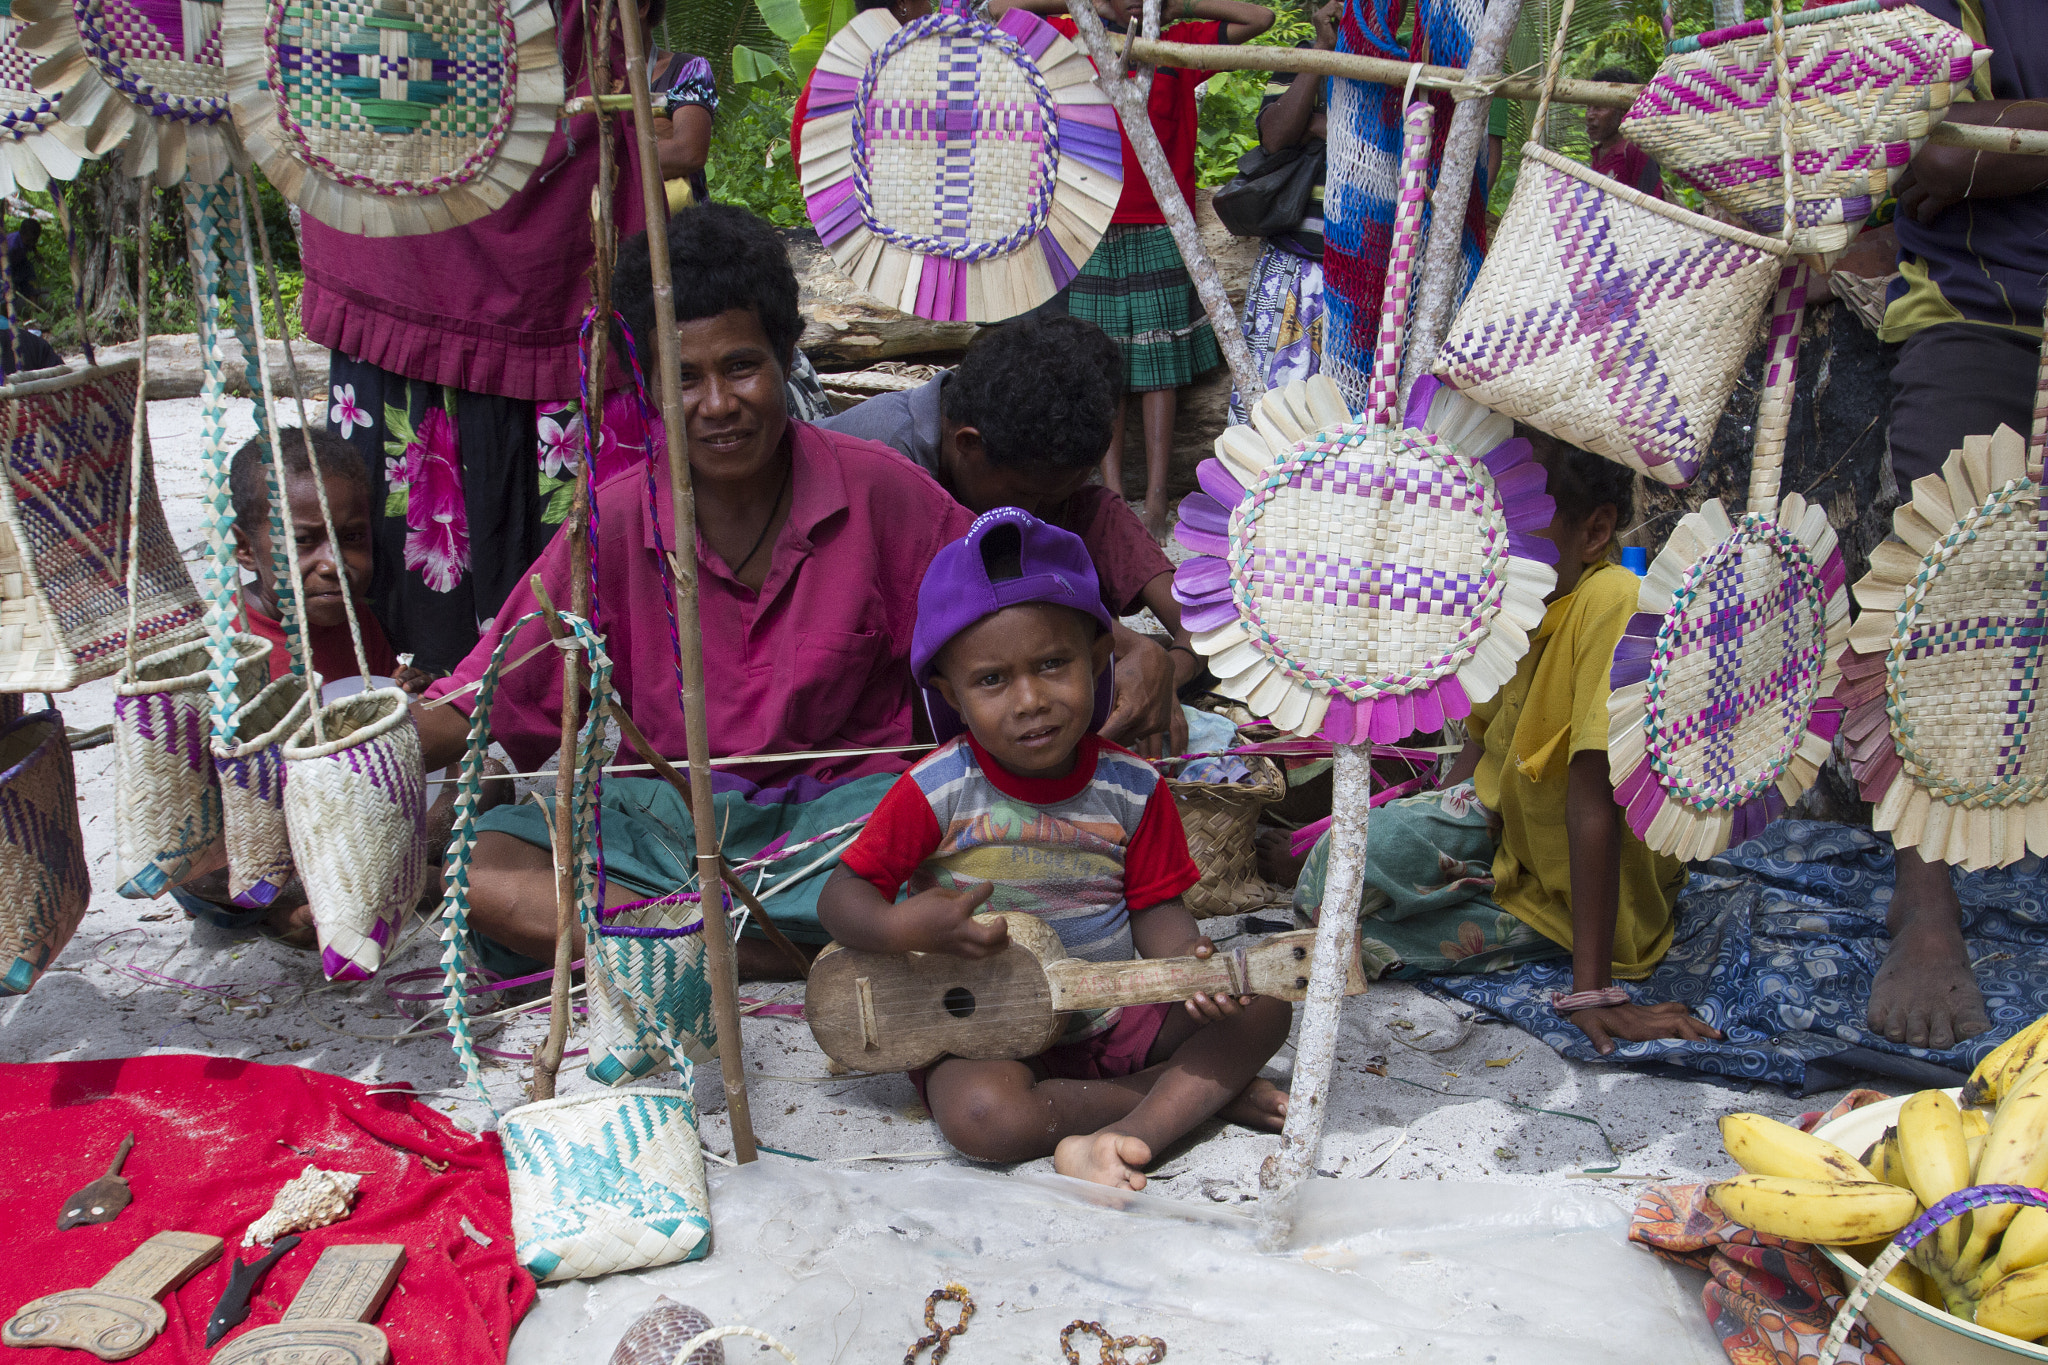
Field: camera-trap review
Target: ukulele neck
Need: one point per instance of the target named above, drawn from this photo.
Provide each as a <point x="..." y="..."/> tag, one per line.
<point x="1277" y="967"/>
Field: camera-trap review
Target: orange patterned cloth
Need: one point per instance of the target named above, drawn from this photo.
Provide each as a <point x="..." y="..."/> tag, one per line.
<point x="1769" y="1300"/>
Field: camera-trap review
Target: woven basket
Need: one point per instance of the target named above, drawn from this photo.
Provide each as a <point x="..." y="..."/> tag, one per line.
<point x="606" y="1182"/>
<point x="1720" y="715"/>
<point x="144" y="78"/>
<point x="650" y="1000"/>
<point x="1222" y="820"/>
<point x="355" y="802"/>
<point x="454" y="124"/>
<point x="251" y="773"/>
<point x="959" y="169"/>
<point x="167" y="819"/>
<point x="67" y="440"/>
<point x="1944" y="665"/>
<point x="34" y="145"/>
<point x="1609" y="319"/>
<point x="43" y="883"/>
<point x="1868" y="83"/>
<point x="1366" y="579"/>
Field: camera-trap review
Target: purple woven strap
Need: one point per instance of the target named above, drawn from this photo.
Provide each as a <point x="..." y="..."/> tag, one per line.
<point x="1382" y="393"/>
<point x="1916" y="1232"/>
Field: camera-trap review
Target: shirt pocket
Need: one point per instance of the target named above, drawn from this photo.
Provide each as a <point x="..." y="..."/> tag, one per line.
<point x="831" y="677"/>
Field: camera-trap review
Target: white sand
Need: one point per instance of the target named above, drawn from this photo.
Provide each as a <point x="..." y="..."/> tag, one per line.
<point x="139" y="978"/>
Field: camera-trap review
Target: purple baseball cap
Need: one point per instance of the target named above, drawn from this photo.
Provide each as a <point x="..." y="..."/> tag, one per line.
<point x="1007" y="558"/>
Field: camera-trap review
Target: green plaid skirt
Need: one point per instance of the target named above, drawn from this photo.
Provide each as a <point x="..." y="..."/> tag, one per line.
<point x="1136" y="288"/>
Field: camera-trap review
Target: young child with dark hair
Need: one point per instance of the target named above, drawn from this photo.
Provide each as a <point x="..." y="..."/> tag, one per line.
<point x="328" y="567"/>
<point x="1523" y="854"/>
<point x="1030" y="811"/>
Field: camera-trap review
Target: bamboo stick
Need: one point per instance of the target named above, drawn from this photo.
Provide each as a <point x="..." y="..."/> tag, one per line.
<point x="1180" y="219"/>
<point x="718" y="946"/>
<point x="1442" y="260"/>
<point x="1467" y="86"/>
<point x="1315" y="1052"/>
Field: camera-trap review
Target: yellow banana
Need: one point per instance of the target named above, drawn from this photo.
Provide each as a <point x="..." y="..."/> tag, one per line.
<point x="1976" y="1123"/>
<point x="1764" y="1146"/>
<point x="2015" y="1153"/>
<point x="2005" y="1064"/>
<point x="2017" y="1305"/>
<point x="2024" y="1243"/>
<point x="1905" y="1276"/>
<point x="1829" y="1212"/>
<point x="1936" y="1157"/>
<point x="1883" y="1160"/>
<point x="1973" y="1147"/>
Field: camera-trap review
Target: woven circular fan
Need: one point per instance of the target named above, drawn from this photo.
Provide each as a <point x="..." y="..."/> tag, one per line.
<point x="958" y="169"/>
<point x="34" y="145"/>
<point x="147" y="71"/>
<point x="1867" y="84"/>
<point x="393" y="117"/>
<point x="1360" y="580"/>
<point x="1719" y="715"/>
<point x="1944" y="663"/>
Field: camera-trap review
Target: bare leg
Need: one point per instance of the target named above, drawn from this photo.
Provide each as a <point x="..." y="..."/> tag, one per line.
<point x="1158" y="406"/>
<point x="1926" y="994"/>
<point x="512" y="901"/>
<point x="1113" y="458"/>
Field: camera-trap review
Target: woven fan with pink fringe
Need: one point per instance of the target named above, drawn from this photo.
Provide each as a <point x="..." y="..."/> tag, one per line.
<point x="1363" y="579"/>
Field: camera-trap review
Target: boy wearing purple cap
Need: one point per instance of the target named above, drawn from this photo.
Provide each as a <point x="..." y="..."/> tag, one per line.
<point x="1029" y="810"/>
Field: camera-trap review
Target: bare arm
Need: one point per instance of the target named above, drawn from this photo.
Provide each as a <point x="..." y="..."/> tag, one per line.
<point x="1466" y="764"/>
<point x="444" y="735"/>
<point x="686" y="144"/>
<point x="935" y="921"/>
<point x="1168" y="930"/>
<point x="1942" y="177"/>
<point x="1145" y="700"/>
<point x="1294" y="117"/>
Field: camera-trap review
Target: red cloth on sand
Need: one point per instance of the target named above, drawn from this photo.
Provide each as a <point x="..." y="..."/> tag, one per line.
<point x="214" y="1140"/>
<point x="1118" y="1050"/>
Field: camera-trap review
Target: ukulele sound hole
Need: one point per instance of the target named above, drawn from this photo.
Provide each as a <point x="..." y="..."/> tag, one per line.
<point x="959" y="1002"/>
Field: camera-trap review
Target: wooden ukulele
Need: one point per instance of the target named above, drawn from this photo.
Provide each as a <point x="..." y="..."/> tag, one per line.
<point x="896" y="1012"/>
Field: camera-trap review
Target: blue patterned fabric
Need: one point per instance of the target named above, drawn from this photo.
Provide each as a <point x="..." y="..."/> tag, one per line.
<point x="1778" y="940"/>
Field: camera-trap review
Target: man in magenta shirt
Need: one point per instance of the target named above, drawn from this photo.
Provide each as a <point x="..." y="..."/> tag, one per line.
<point x="810" y="548"/>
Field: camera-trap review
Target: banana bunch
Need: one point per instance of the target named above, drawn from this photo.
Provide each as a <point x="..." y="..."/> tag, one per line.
<point x="1989" y="1266"/>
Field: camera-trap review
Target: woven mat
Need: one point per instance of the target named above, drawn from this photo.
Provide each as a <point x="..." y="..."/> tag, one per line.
<point x="34" y="145"/>
<point x="392" y="117"/>
<point x="959" y="169"/>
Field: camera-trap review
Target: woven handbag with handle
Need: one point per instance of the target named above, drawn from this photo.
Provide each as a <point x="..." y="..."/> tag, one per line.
<point x="355" y="801"/>
<point x="251" y="774"/>
<point x="1609" y="319"/>
<point x="1867" y="82"/>
<point x="43" y="884"/>
<point x="606" y="1182"/>
<point x="66" y="441"/>
<point x="1221" y="819"/>
<point x="167" y="820"/>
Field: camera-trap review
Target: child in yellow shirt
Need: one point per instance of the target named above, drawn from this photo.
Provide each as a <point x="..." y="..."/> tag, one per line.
<point x="1524" y="855"/>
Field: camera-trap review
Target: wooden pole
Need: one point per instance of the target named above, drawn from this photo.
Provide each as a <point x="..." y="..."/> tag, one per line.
<point x="1180" y="219"/>
<point x="718" y="945"/>
<point x="1315" y="1051"/>
<point x="1465" y="85"/>
<point x="1443" y="261"/>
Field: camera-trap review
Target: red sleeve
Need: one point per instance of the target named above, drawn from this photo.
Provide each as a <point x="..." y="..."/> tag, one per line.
<point x="1156" y="862"/>
<point x="1203" y="32"/>
<point x="901" y="834"/>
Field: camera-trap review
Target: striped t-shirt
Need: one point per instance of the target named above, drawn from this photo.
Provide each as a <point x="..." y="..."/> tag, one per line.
<point x="1081" y="852"/>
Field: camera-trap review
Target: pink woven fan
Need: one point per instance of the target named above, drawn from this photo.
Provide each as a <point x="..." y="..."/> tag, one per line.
<point x="1363" y="579"/>
<point x="958" y="169"/>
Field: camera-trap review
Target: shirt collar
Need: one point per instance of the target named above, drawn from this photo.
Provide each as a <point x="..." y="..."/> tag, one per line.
<point x="1041" y="791"/>
<point x="1554" y="614"/>
<point x="818" y="491"/>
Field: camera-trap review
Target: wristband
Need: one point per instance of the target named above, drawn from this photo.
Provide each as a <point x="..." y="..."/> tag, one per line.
<point x="1185" y="650"/>
<point x="1588" y="1000"/>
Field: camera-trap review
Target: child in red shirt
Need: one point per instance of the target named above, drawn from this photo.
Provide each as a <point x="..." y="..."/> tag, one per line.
<point x="1030" y="812"/>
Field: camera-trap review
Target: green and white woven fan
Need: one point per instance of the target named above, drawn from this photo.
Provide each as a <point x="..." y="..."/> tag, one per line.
<point x="1945" y="665"/>
<point x="394" y="117"/>
<point x="141" y="75"/>
<point x="35" y="145"/>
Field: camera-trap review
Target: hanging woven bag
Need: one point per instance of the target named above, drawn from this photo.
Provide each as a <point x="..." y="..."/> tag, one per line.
<point x="66" y="441"/>
<point x="355" y="801"/>
<point x="167" y="821"/>
<point x="1606" y="318"/>
<point x="650" y="993"/>
<point x="1867" y="82"/>
<point x="43" y="884"/>
<point x="251" y="774"/>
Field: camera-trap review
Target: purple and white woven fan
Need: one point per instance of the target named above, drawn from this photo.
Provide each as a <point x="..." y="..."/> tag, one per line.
<point x="958" y="169"/>
<point x="35" y="145"/>
<point x="1365" y="579"/>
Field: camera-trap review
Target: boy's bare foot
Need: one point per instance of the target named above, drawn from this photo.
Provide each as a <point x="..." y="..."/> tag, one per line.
<point x="1926" y="993"/>
<point x="1261" y="1105"/>
<point x="1114" y="1159"/>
